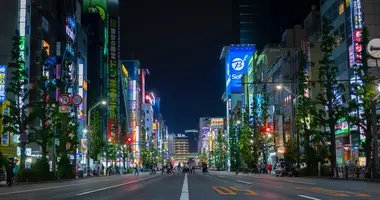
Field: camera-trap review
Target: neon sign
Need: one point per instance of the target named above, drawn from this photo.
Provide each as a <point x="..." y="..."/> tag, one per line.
<point x="3" y="78"/>
<point x="70" y="32"/>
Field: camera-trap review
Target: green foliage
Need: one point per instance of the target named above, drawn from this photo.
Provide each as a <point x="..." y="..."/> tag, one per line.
<point x="291" y="154"/>
<point x="18" y="92"/>
<point x="246" y="140"/>
<point x="258" y="139"/>
<point x="364" y="93"/>
<point x="220" y="151"/>
<point x="65" y="169"/>
<point x="40" y="171"/>
<point x="45" y="108"/>
<point x="202" y="156"/>
<point x="233" y="145"/>
<point x="330" y="109"/>
<point x="96" y="140"/>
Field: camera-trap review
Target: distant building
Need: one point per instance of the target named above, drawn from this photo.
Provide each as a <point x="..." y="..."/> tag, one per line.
<point x="193" y="140"/>
<point x="181" y="144"/>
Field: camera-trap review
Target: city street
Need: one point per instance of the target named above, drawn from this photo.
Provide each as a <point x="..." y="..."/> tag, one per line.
<point x="215" y="185"/>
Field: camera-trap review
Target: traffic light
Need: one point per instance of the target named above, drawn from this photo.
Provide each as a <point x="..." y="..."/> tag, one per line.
<point x="267" y="129"/>
<point x="129" y="139"/>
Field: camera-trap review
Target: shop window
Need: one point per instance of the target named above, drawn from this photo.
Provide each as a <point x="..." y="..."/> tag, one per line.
<point x="341" y="7"/>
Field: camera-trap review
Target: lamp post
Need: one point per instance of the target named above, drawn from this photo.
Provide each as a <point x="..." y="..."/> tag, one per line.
<point x="89" y="125"/>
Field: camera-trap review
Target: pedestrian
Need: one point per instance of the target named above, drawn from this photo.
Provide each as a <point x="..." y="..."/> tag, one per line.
<point x="270" y="168"/>
<point x="136" y="169"/>
<point x="10" y="173"/>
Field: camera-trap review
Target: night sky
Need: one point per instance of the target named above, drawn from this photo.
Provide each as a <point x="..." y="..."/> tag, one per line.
<point x="180" y="43"/>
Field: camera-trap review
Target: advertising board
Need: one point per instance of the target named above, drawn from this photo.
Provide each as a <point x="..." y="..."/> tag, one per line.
<point x="237" y="64"/>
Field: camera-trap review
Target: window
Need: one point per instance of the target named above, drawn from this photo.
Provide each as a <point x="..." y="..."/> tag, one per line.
<point x="341" y="7"/>
<point x="347" y="3"/>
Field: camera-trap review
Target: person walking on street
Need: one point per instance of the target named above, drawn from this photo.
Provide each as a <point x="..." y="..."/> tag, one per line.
<point x="270" y="168"/>
<point x="10" y="173"/>
<point x="136" y="169"/>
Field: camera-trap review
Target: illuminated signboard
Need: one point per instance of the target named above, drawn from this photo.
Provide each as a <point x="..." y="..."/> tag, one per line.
<point x="113" y="66"/>
<point x="341" y="127"/>
<point x="357" y="27"/>
<point x="355" y="53"/>
<point x="96" y="6"/>
<point x="3" y="78"/>
<point x="47" y="46"/>
<point x="4" y="135"/>
<point x="154" y="126"/>
<point x="84" y="85"/>
<point x="124" y="70"/>
<point x="237" y="64"/>
<point x="148" y="98"/>
<point x="306" y="48"/>
<point x="80" y="75"/>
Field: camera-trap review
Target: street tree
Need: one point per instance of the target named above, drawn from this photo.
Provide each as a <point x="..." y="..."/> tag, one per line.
<point x="329" y="104"/>
<point x="364" y="90"/>
<point x="233" y="144"/>
<point x="245" y="138"/>
<point x="96" y="140"/>
<point x="258" y="140"/>
<point x="305" y="126"/>
<point x="221" y="149"/>
<point x="44" y="109"/>
<point x="264" y="121"/>
<point x="18" y="119"/>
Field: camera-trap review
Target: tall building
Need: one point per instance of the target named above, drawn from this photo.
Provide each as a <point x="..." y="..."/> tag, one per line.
<point x="244" y="20"/>
<point x="348" y="19"/>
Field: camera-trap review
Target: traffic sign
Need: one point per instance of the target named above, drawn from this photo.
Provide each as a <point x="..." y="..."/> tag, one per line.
<point x="76" y="100"/>
<point x="64" y="99"/>
<point x="64" y="109"/>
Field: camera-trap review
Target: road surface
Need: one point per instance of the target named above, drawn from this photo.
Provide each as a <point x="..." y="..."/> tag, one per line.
<point x="198" y="186"/>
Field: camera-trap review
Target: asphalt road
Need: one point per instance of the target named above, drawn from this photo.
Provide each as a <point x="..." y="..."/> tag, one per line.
<point x="215" y="185"/>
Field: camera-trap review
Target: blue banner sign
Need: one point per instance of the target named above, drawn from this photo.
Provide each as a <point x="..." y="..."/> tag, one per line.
<point x="236" y="65"/>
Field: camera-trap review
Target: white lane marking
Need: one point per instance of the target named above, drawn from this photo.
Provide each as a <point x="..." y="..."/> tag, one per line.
<point x="185" y="190"/>
<point x="106" y="188"/>
<point x="307" y="197"/>
<point x="56" y="187"/>
<point x="301" y="182"/>
<point x="244" y="182"/>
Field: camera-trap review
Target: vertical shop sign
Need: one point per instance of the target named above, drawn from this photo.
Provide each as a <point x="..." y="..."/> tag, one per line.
<point x="2" y="83"/>
<point x="356" y="54"/>
<point x="113" y="66"/>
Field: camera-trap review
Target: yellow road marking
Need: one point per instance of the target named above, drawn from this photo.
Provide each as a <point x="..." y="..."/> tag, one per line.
<point x="223" y="190"/>
<point x="249" y="192"/>
<point x="323" y="191"/>
<point x="354" y="193"/>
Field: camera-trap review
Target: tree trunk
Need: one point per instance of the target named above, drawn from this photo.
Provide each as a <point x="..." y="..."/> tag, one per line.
<point x="332" y="147"/>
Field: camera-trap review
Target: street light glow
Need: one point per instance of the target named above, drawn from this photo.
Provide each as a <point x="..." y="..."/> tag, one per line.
<point x="85" y="130"/>
<point x="104" y="102"/>
<point x="238" y="122"/>
<point x="279" y="87"/>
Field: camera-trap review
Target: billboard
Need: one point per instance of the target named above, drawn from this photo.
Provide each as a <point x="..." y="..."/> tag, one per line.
<point x="113" y="66"/>
<point x="236" y="65"/>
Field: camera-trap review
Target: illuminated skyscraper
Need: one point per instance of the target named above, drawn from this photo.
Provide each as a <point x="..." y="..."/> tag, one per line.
<point x="244" y="20"/>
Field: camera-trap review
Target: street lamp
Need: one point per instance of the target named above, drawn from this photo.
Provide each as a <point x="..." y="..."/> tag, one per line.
<point x="238" y="121"/>
<point x="103" y="102"/>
